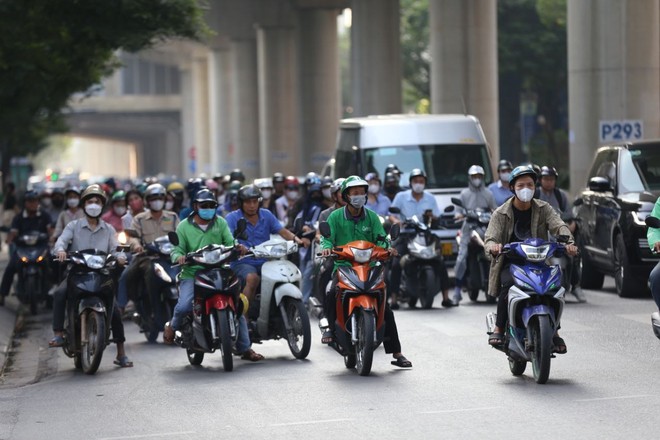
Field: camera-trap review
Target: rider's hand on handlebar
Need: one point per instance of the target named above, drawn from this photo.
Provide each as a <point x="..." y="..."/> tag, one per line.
<point x="121" y="259"/>
<point x="496" y="249"/>
<point x="61" y="256"/>
<point x="138" y="249"/>
<point x="393" y="252"/>
<point x="326" y="252"/>
<point x="305" y="242"/>
<point x="571" y="250"/>
<point x="242" y="249"/>
<point x="181" y="260"/>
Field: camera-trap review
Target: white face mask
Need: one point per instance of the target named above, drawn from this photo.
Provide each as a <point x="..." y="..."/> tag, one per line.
<point x="119" y="210"/>
<point x="358" y="202"/>
<point x="374" y="188"/>
<point x="156" y="205"/>
<point x="326" y="193"/>
<point x="418" y="188"/>
<point x="169" y="205"/>
<point x="72" y="202"/>
<point x="525" y="194"/>
<point x="476" y="182"/>
<point x="504" y="177"/>
<point x="292" y="195"/>
<point x="266" y="193"/>
<point x="93" y="210"/>
<point x="47" y="202"/>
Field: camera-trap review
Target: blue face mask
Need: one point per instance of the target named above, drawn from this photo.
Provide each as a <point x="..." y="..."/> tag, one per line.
<point x="206" y="214"/>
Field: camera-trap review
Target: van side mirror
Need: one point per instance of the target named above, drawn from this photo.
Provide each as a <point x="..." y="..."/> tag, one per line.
<point x="324" y="227"/>
<point x="652" y="222"/>
<point x="173" y="237"/>
<point x="395" y="231"/>
<point x="600" y="184"/>
<point x="241" y="227"/>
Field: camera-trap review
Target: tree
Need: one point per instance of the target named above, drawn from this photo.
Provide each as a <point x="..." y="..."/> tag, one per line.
<point x="415" y="56"/>
<point x="50" y="50"/>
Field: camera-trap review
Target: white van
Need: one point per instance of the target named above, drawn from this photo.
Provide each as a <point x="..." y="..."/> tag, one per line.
<point x="444" y="146"/>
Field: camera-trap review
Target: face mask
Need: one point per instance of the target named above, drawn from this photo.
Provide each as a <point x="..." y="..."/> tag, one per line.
<point x="374" y="188"/>
<point x="156" y="205"/>
<point x="358" y="202"/>
<point x="119" y="210"/>
<point x="504" y="177"/>
<point x="326" y="193"/>
<point x="292" y="195"/>
<point x="46" y="202"/>
<point x="476" y="182"/>
<point x="266" y="193"/>
<point x="418" y="187"/>
<point x="93" y="210"/>
<point x="72" y="203"/>
<point x="525" y="194"/>
<point x="169" y="205"/>
<point x="206" y="214"/>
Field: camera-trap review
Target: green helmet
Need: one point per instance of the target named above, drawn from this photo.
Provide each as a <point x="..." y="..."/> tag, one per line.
<point x="352" y="182"/>
<point x="118" y="196"/>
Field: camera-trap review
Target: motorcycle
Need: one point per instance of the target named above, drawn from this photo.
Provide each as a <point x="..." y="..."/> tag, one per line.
<point x="421" y="266"/>
<point x="654" y="222"/>
<point x="155" y="308"/>
<point x="91" y="285"/>
<point x="278" y="310"/>
<point x="478" y="265"/>
<point x="360" y="300"/>
<point x="32" y="253"/>
<point x="536" y="303"/>
<point x="217" y="306"/>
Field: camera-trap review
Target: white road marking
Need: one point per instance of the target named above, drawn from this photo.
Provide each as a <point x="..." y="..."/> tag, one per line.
<point x="160" y="434"/>
<point x="312" y="422"/>
<point x="444" y="411"/>
<point x="639" y="396"/>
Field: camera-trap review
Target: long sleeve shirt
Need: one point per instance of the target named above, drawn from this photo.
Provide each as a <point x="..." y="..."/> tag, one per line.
<point x="79" y="235"/>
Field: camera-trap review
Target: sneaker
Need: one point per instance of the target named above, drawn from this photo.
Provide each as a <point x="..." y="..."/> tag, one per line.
<point x="458" y="296"/>
<point x="447" y="303"/>
<point x="579" y="295"/>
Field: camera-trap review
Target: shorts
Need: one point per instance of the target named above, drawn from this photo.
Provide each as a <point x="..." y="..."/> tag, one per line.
<point x="243" y="270"/>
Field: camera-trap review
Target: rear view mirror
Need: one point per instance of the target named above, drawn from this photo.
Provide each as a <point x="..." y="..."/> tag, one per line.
<point x="297" y="225"/>
<point x="652" y="222"/>
<point x="395" y="231"/>
<point x="600" y="184"/>
<point x="578" y="202"/>
<point x="450" y="208"/>
<point x="563" y="238"/>
<point x="456" y="201"/>
<point x="173" y="237"/>
<point x="324" y="227"/>
<point x="394" y="210"/>
<point x="241" y="227"/>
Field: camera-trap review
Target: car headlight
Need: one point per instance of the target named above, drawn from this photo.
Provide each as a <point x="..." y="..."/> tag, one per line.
<point x="535" y="253"/>
<point x="361" y="255"/>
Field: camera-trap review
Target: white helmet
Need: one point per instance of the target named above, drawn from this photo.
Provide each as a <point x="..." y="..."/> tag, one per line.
<point x="476" y="169"/>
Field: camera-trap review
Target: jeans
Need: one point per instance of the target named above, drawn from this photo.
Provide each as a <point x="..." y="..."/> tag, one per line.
<point x="307" y="268"/>
<point x="654" y="280"/>
<point x="185" y="304"/>
<point x="8" y="276"/>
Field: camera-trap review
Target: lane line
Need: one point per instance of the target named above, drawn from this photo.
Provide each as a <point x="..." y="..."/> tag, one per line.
<point x="313" y="422"/>
<point x="598" y="399"/>
<point x="161" y="434"/>
<point x="445" y="411"/>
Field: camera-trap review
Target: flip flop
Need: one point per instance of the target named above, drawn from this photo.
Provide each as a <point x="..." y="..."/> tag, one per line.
<point x="123" y="362"/>
<point x="57" y="341"/>
<point x="496" y="339"/>
<point x="402" y="362"/>
<point x="252" y="356"/>
<point x="560" y="345"/>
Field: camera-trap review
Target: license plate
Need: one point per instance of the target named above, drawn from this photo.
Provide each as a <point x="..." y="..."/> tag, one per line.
<point x="447" y="249"/>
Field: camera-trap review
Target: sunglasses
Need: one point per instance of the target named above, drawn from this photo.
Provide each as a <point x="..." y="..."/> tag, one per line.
<point x="208" y="205"/>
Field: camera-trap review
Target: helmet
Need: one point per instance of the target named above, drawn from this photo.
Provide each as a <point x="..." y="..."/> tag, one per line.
<point x="150" y="180"/>
<point x="73" y="189"/>
<point x="263" y="183"/>
<point x="336" y="185"/>
<point x="415" y="173"/>
<point x="391" y="168"/>
<point x="175" y="187"/>
<point x="326" y="182"/>
<point x="475" y="169"/>
<point x="312" y="178"/>
<point x="536" y="168"/>
<point x="278" y="177"/>
<point x="352" y="182"/>
<point x="234" y="186"/>
<point x="93" y="191"/>
<point x="155" y="190"/>
<point x="291" y="181"/>
<point x="522" y="170"/>
<point x="504" y="165"/>
<point x="118" y="196"/>
<point x="237" y="174"/>
<point x="217" y="177"/>
<point x="211" y="184"/>
<point x="371" y="176"/>
<point x="141" y="187"/>
<point x="248" y="192"/>
<point x="549" y="171"/>
<point x="205" y="195"/>
<point x="391" y="177"/>
<point x="31" y="195"/>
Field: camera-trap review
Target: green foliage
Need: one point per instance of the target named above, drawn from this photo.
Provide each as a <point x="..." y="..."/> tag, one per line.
<point x="52" y="49"/>
<point x="415" y="56"/>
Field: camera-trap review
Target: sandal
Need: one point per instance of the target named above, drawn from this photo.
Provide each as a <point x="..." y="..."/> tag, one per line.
<point x="123" y="362"/>
<point x="57" y="341"/>
<point x="560" y="345"/>
<point x="327" y="337"/>
<point x="496" y="339"/>
<point x="402" y="362"/>
<point x="252" y="356"/>
<point x="168" y="334"/>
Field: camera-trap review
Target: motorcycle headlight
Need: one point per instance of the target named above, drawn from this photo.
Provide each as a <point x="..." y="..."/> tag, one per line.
<point x="212" y="257"/>
<point x="277" y="250"/>
<point x="166" y="248"/>
<point x="95" y="261"/>
<point x="535" y="253"/>
<point x="361" y="255"/>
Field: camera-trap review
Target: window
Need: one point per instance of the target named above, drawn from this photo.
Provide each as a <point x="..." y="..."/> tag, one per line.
<point x="646" y="163"/>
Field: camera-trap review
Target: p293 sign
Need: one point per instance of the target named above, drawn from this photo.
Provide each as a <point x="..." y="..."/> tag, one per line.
<point x="617" y="131"/>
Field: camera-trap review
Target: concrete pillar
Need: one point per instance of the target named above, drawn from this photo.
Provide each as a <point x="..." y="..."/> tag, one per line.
<point x="220" y="136"/>
<point x="279" y="142"/>
<point x="613" y="73"/>
<point x="375" y="57"/>
<point x="464" y="62"/>
<point x="319" y="85"/>
<point x="243" y="151"/>
<point x="201" y="112"/>
<point x="187" y="123"/>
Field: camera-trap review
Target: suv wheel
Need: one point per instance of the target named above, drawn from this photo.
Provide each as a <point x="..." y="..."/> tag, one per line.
<point x="626" y="285"/>
<point x="591" y="278"/>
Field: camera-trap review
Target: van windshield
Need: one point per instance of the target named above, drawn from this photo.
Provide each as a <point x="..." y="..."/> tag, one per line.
<point x="445" y="165"/>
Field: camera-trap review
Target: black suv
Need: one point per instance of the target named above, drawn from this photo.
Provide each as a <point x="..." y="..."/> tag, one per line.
<point x="623" y="185"/>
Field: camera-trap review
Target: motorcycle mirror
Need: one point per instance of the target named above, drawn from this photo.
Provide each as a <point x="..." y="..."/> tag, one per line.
<point x="563" y="238"/>
<point x="241" y="226"/>
<point x="450" y="208"/>
<point x="395" y="210"/>
<point x="395" y="231"/>
<point x="174" y="238"/>
<point x="297" y="225"/>
<point x="324" y="227"/>
<point x="578" y="202"/>
<point x="456" y="201"/>
<point x="652" y="222"/>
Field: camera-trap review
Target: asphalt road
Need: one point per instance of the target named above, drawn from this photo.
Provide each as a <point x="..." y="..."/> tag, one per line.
<point x="604" y="387"/>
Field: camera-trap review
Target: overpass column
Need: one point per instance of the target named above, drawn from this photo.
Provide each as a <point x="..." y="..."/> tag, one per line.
<point x="319" y="85"/>
<point x="201" y="112"/>
<point x="375" y="57"/>
<point x="464" y="62"/>
<point x="613" y="73"/>
<point x="219" y="107"/>
<point x="279" y="144"/>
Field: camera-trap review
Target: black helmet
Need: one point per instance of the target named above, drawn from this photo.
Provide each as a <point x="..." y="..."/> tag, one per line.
<point x="549" y="171"/>
<point x="522" y="170"/>
<point x="326" y="182"/>
<point x="248" y="192"/>
<point x="504" y="165"/>
<point x="415" y="173"/>
<point x="31" y="195"/>
<point x="278" y="177"/>
<point x="392" y="168"/>
<point x="237" y="174"/>
<point x="205" y="195"/>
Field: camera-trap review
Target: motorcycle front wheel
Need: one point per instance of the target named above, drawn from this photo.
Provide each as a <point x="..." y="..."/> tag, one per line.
<point x="33" y="292"/>
<point x="541" y="334"/>
<point x="517" y="367"/>
<point x="364" y="349"/>
<point x="224" y="332"/>
<point x="428" y="288"/>
<point x="92" y="350"/>
<point x="299" y="333"/>
<point x="194" y="357"/>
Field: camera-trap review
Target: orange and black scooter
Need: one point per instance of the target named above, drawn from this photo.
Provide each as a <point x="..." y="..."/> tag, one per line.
<point x="360" y="300"/>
